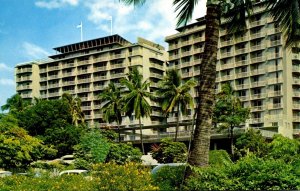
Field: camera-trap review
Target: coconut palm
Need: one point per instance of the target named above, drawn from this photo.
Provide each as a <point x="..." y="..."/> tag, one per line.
<point x="112" y="105"/>
<point x="135" y="101"/>
<point x="174" y="93"/>
<point x="75" y="108"/>
<point x="15" y="104"/>
<point x="285" y="12"/>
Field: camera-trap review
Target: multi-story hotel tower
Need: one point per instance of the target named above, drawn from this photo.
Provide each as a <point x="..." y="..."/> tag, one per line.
<point x="84" y="69"/>
<point x="263" y="71"/>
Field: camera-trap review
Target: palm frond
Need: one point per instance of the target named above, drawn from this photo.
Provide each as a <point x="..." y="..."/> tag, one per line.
<point x="186" y="9"/>
<point x="133" y="2"/>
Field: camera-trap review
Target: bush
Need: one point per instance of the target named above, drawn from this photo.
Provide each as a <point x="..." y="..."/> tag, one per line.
<point x="219" y="158"/>
<point x="169" y="151"/>
<point x="121" y="153"/>
<point x="169" y="177"/>
<point x="130" y="176"/>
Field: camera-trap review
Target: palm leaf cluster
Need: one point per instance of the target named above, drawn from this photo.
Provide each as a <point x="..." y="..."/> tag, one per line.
<point x="75" y="108"/>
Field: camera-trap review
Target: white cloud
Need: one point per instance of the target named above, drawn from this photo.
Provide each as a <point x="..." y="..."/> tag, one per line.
<point x="52" y="4"/>
<point x="7" y="82"/>
<point x="33" y="51"/>
<point x="4" y="67"/>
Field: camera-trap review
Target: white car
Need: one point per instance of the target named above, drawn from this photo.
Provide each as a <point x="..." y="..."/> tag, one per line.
<point x="5" y="173"/>
<point x="73" y="172"/>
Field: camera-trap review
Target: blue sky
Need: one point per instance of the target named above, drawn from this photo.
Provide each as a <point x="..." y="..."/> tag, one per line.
<point x="30" y="29"/>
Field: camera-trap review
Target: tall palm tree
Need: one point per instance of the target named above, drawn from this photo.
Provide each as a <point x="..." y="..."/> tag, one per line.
<point x="15" y="104"/>
<point x="174" y="93"/>
<point x="285" y="12"/>
<point x="112" y="107"/>
<point x="75" y="108"/>
<point x="135" y="101"/>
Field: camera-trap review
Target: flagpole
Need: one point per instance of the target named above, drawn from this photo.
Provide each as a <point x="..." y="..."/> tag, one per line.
<point x="81" y="36"/>
<point x="111" y="21"/>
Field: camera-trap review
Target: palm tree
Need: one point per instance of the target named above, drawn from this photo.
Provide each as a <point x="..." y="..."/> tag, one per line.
<point x="285" y="12"/>
<point x="135" y="101"/>
<point x="75" y="108"/>
<point x="15" y="104"/>
<point x="174" y="93"/>
<point x="112" y="107"/>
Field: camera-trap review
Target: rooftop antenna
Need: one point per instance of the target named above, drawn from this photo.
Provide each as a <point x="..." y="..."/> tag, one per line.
<point x="80" y="26"/>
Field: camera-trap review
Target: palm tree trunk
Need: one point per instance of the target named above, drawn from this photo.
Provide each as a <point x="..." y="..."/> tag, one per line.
<point x="119" y="132"/>
<point x="177" y="123"/>
<point x="231" y="141"/>
<point x="199" y="154"/>
<point x="141" y="136"/>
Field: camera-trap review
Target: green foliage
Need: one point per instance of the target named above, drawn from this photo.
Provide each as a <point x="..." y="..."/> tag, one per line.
<point x="169" y="151"/>
<point x="130" y="176"/>
<point x="120" y="153"/>
<point x="15" y="104"/>
<point x="284" y="148"/>
<point x="219" y="158"/>
<point x="17" y="148"/>
<point x="249" y="173"/>
<point x="51" y="121"/>
<point x="74" y="105"/>
<point x="93" y="148"/>
<point x="251" y="142"/>
<point x="169" y="177"/>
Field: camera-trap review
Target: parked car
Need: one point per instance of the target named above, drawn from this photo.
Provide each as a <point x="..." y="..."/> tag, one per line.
<point x="159" y="166"/>
<point x="73" y="172"/>
<point x="5" y="173"/>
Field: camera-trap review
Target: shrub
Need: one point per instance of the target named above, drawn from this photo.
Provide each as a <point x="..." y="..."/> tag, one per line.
<point x="169" y="177"/>
<point x="219" y="158"/>
<point x="121" y="153"/>
<point x="169" y="151"/>
<point x="130" y="176"/>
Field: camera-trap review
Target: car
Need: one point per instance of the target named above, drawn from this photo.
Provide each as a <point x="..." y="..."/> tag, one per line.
<point x="5" y="173"/>
<point x="159" y="166"/>
<point x="68" y="159"/>
<point x="73" y="172"/>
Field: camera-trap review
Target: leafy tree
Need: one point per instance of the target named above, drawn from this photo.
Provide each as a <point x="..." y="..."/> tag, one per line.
<point x="135" y="101"/>
<point x="51" y="121"/>
<point x="112" y="108"/>
<point x="229" y="112"/>
<point x="93" y="148"/>
<point x="121" y="153"/>
<point x="174" y="93"/>
<point x="17" y="148"/>
<point x="169" y="151"/>
<point x="75" y="108"/>
<point x="15" y="104"/>
<point x="251" y="142"/>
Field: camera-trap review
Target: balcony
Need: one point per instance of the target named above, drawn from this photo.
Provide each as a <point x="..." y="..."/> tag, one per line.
<point x="257" y="35"/>
<point x="258" y="47"/>
<point x="275" y="106"/>
<point x="258" y="83"/>
<point x="43" y="70"/>
<point x="258" y="59"/>
<point x="26" y="95"/>
<point x="171" y="47"/>
<point x="196" y="72"/>
<point x="296" y="118"/>
<point x="243" y="98"/>
<point x="81" y="90"/>
<point x="241" y="39"/>
<point x="242" y="86"/>
<point x="257" y="108"/>
<point x="86" y="108"/>
<point x="98" y="115"/>
<point x="24" y="70"/>
<point x="227" y="43"/>
<point x="186" y="42"/>
<point x="53" y="68"/>
<point x="275" y="80"/>
<point x="185" y="64"/>
<point x="117" y="75"/>
<point x="258" y="96"/>
<point x="242" y="74"/>
<point x="275" y="68"/>
<point x="54" y="94"/>
<point x="186" y="53"/>
<point x="101" y="87"/>
<point x="296" y="105"/>
<point x="42" y="88"/>
<point x="114" y="66"/>
<point x="256" y="120"/>
<point x="86" y="80"/>
<point x="275" y="43"/>
<point x="241" y="51"/>
<point x="101" y="68"/>
<point x="241" y="63"/>
<point x="156" y="113"/>
<point x="56" y="85"/>
<point x="24" y="78"/>
<point x="227" y="77"/>
<point x="117" y="56"/>
<point x="199" y="39"/>
<point x="52" y="77"/>
<point x="100" y="78"/>
<point x="68" y="83"/>
<point x="83" y="62"/>
<point x="296" y="93"/>
<point x="274" y="56"/>
<point x="187" y="74"/>
<point x="42" y="79"/>
<point x="257" y="71"/>
<point x="296" y="69"/>
<point x="68" y="65"/>
<point x="274" y="93"/>
<point x="67" y="74"/>
<point x="226" y="54"/>
<point x="296" y="81"/>
<point x="24" y="87"/>
<point x="174" y="57"/>
<point x="84" y="71"/>
<point x="156" y="75"/>
<point x="101" y="59"/>
<point x="257" y="23"/>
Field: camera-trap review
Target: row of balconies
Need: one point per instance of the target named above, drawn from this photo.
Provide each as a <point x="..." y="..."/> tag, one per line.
<point x="24" y="87"/>
<point x="23" y="70"/>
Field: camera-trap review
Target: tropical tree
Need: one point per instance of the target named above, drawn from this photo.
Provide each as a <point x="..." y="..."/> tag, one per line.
<point x="174" y="93"/>
<point x="112" y="107"/>
<point x="75" y="108"/>
<point x="229" y="112"/>
<point x="15" y="104"/>
<point x="135" y="101"/>
<point x="286" y="14"/>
